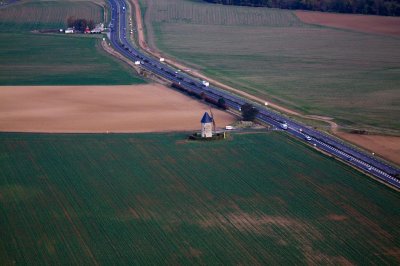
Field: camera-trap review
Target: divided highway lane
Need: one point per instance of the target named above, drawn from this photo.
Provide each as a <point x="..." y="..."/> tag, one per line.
<point x="7" y="3"/>
<point x="322" y="141"/>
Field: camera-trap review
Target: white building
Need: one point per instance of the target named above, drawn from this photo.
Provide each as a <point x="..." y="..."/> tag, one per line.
<point x="69" y="31"/>
<point x="98" y="29"/>
<point x="206" y="126"/>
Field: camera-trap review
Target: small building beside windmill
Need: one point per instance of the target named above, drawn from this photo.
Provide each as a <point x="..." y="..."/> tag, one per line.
<point x="87" y="30"/>
<point x="206" y="126"/>
<point x="69" y="31"/>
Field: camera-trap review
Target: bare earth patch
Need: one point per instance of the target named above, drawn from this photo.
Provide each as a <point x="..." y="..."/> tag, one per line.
<point x="96" y="109"/>
<point x="314" y="257"/>
<point x="386" y="146"/>
<point x="261" y="224"/>
<point x="362" y="23"/>
<point x="336" y="217"/>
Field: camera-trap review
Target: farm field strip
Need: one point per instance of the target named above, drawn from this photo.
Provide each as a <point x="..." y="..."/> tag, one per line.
<point x="156" y="198"/>
<point x="55" y="59"/>
<point x="46" y="14"/>
<point x="100" y="109"/>
<point x="26" y="62"/>
<point x="206" y="14"/>
<point x="385" y="25"/>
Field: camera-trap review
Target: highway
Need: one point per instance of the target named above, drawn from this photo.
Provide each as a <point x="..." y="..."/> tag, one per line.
<point x="7" y="3"/>
<point x="367" y="163"/>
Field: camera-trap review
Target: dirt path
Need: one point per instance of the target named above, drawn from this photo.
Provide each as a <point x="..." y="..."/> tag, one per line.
<point x="139" y="23"/>
<point x="333" y="126"/>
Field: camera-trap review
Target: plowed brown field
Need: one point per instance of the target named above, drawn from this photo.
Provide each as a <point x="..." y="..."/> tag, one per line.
<point x="385" y="146"/>
<point x="362" y="23"/>
<point x="131" y="108"/>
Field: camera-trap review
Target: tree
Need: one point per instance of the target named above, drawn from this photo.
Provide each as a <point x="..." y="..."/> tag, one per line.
<point x="377" y="7"/>
<point x="249" y="112"/>
<point x="221" y="103"/>
<point x="80" y="24"/>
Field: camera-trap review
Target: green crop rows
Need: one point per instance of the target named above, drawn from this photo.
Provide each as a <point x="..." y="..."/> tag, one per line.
<point x="37" y="15"/>
<point x="158" y="199"/>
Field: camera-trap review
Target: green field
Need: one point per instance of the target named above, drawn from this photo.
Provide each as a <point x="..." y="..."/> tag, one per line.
<point x="353" y="77"/>
<point x="158" y="199"/>
<point x="36" y="15"/>
<point x="28" y="58"/>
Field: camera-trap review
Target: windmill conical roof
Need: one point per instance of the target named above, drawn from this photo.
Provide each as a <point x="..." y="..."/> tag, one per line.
<point x="206" y="118"/>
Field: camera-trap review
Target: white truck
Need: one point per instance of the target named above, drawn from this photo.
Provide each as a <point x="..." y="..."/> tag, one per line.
<point x="284" y="126"/>
<point x="206" y="83"/>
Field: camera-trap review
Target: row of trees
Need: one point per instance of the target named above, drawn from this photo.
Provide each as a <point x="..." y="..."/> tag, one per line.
<point x="80" y="24"/>
<point x="375" y="7"/>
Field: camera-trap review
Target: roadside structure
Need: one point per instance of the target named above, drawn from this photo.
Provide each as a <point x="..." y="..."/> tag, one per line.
<point x="98" y="29"/>
<point x="87" y="30"/>
<point x="69" y="31"/>
<point x="206" y="126"/>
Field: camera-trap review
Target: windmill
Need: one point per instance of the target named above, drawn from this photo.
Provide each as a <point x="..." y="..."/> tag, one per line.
<point x="213" y="119"/>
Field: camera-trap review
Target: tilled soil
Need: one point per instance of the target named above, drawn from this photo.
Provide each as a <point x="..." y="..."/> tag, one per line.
<point x="95" y="109"/>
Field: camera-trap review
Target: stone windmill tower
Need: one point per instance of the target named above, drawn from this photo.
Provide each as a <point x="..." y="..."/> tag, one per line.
<point x="206" y="126"/>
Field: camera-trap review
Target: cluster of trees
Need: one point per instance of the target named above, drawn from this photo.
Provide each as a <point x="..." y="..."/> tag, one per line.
<point x="249" y="112"/>
<point x="80" y="24"/>
<point x="375" y="7"/>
